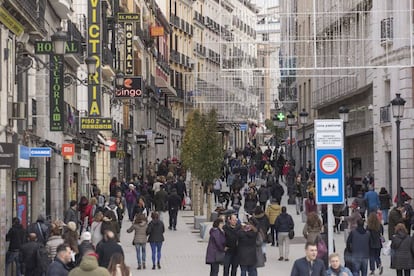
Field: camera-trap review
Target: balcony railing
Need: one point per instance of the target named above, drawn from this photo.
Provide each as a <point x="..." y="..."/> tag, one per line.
<point x="165" y="113"/>
<point x="107" y="58"/>
<point x="175" y="20"/>
<point x="333" y="90"/>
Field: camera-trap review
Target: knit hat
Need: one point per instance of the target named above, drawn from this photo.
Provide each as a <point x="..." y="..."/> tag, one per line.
<point x="86" y="236"/>
<point x="71" y="226"/>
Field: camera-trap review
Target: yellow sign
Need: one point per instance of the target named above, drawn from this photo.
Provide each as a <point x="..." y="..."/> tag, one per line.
<point x="95" y="123"/>
<point x="10" y="22"/>
<point x="157" y="31"/>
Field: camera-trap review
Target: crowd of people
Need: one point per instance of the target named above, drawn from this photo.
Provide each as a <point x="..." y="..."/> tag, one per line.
<point x="87" y="240"/>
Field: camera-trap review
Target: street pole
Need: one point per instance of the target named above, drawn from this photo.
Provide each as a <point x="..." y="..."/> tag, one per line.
<point x="290" y="143"/>
<point x="397" y="105"/>
<point x="397" y="122"/>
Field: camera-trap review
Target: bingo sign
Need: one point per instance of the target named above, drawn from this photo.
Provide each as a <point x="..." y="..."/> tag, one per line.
<point x="329" y="162"/>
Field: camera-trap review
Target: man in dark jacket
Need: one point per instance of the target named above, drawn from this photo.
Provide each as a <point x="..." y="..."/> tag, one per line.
<point x="174" y="203"/>
<point x="283" y="224"/>
<point x="71" y="214"/>
<point x="309" y="265"/>
<point x="28" y="255"/>
<point x="358" y="244"/>
<point x="276" y="191"/>
<point x="106" y="248"/>
<point x="231" y="230"/>
<point x="41" y="230"/>
<point x="160" y="202"/>
<point x="395" y="217"/>
<point x="63" y="257"/>
<point x="181" y="189"/>
<point x="17" y="237"/>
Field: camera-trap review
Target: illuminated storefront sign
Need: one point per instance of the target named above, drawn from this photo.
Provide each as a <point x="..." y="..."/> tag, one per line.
<point x="94" y="123"/>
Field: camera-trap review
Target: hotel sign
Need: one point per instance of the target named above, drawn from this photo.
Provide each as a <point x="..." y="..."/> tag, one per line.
<point x="95" y="50"/>
<point x="95" y="123"/>
<point x="128" y="17"/>
<point x="56" y="103"/>
<point x="46" y="47"/>
<point x="129" y="53"/>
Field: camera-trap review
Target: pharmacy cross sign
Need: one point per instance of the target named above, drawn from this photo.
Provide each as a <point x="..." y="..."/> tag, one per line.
<point x="281" y="116"/>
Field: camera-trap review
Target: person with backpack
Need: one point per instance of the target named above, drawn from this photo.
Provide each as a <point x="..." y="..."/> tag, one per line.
<point x="41" y="230"/>
<point x="31" y="260"/>
<point x="358" y="245"/>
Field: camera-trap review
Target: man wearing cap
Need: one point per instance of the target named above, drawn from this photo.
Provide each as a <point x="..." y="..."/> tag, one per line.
<point x="63" y="257"/>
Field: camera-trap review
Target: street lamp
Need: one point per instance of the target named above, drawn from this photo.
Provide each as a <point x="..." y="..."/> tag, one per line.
<point x="59" y="40"/>
<point x="119" y="79"/>
<point x="397" y="112"/>
<point x="291" y="122"/>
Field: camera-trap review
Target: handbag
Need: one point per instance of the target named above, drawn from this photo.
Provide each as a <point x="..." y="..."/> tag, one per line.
<point x="322" y="248"/>
<point x="219" y="258"/>
<point x="291" y="234"/>
<point x="269" y="238"/>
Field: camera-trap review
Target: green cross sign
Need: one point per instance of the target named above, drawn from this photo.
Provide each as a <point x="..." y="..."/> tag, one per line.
<point x="280" y="116"/>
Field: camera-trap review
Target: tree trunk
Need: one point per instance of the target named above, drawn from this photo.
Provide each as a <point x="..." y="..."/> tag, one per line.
<point x="201" y="199"/>
<point x="209" y="202"/>
<point x="193" y="197"/>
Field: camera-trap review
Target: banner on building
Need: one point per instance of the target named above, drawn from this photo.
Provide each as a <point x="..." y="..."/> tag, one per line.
<point x="95" y="50"/>
<point x="56" y="93"/>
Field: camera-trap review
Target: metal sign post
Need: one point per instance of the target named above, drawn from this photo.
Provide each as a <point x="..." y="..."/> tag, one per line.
<point x="329" y="184"/>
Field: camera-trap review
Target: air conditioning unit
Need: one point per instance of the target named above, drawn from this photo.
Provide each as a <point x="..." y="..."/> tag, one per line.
<point x="17" y="110"/>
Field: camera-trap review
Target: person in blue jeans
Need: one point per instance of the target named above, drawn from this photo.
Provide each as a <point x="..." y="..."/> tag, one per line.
<point x="358" y="244"/>
<point x="16" y="236"/>
<point x="140" y="238"/>
<point x="155" y="232"/>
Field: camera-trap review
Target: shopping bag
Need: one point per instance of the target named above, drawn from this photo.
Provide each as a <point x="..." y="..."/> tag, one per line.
<point x="386" y="248"/>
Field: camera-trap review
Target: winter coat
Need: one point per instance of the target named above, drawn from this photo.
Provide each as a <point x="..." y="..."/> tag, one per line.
<point x="301" y="268"/>
<point x="284" y="223"/>
<point x="28" y="255"/>
<point x="231" y="237"/>
<point x="385" y="201"/>
<point x="375" y="238"/>
<point x="263" y="222"/>
<point x="89" y="267"/>
<point x="131" y="196"/>
<point x="174" y="201"/>
<point x="57" y="268"/>
<point x="372" y="200"/>
<point x="140" y="229"/>
<point x="264" y="194"/>
<point x="110" y="225"/>
<point x="16" y="236"/>
<point x="155" y="231"/>
<point x="273" y="211"/>
<point x="106" y="249"/>
<point x="353" y="219"/>
<point x="215" y="245"/>
<point x="277" y="191"/>
<point x="160" y="201"/>
<point x="358" y="243"/>
<point x="361" y="203"/>
<point x="402" y="245"/>
<point x="246" y="250"/>
<point x="311" y="233"/>
<point x="52" y="244"/>
<point x="70" y="215"/>
<point x="394" y="218"/>
<point x="96" y="232"/>
<point x="342" y="271"/>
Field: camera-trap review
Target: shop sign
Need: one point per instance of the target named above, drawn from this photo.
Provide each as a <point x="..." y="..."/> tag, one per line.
<point x="94" y="43"/>
<point x="157" y="31"/>
<point x="68" y="150"/>
<point x="8" y="152"/>
<point x="141" y="139"/>
<point x="41" y="152"/>
<point x="113" y="145"/>
<point x="159" y="140"/>
<point x="46" y="47"/>
<point x="132" y="88"/>
<point x="95" y="123"/>
<point x="24" y="157"/>
<point x="129" y="53"/>
<point x="26" y="174"/>
<point x="10" y="22"/>
<point x="128" y="17"/>
<point x="56" y="103"/>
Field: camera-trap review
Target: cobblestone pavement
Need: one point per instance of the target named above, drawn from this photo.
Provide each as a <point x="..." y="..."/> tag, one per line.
<point x="183" y="251"/>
